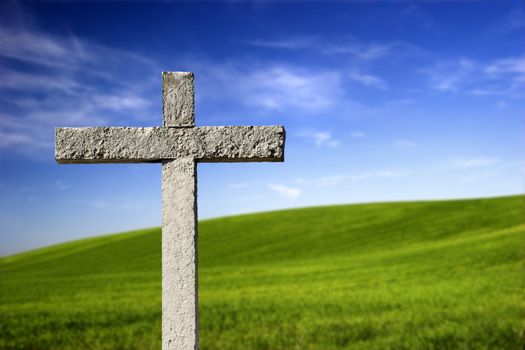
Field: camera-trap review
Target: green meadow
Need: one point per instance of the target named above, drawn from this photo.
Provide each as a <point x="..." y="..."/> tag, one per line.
<point x="410" y="275"/>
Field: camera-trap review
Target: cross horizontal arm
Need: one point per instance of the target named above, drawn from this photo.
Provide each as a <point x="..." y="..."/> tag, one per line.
<point x="154" y="144"/>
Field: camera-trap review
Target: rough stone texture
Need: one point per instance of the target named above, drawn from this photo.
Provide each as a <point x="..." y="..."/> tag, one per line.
<point x="178" y="106"/>
<point x="205" y="144"/>
<point x="179" y="255"/>
<point x="179" y="146"/>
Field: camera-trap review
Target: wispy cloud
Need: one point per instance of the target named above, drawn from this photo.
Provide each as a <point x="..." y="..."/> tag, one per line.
<point x="273" y="86"/>
<point x="357" y="49"/>
<point x="126" y="100"/>
<point x="404" y="144"/>
<point x="288" y="43"/>
<point x="270" y="88"/>
<point x="450" y="75"/>
<point x="320" y="138"/>
<point x="513" y="66"/>
<point x="368" y="80"/>
<point x="500" y="77"/>
<point x="281" y="85"/>
<point x="476" y="162"/>
<point x="285" y="191"/>
<point x="8" y="139"/>
<point x="357" y="134"/>
<point x="362" y="51"/>
<point x="496" y="169"/>
<point x="43" y="50"/>
<point x="65" y="81"/>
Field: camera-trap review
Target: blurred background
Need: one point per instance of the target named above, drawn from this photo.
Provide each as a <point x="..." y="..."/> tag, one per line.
<point x="382" y="101"/>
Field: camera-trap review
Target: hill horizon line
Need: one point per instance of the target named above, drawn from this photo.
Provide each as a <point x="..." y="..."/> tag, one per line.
<point x="107" y="234"/>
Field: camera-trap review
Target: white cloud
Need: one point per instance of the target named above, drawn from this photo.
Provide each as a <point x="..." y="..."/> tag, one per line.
<point x="280" y="86"/>
<point x="467" y="163"/>
<point x="364" y="51"/>
<point x="449" y="75"/>
<point x="501" y="77"/>
<point x="404" y="144"/>
<point x="8" y="139"/>
<point x="513" y="65"/>
<point x="271" y="86"/>
<point x="121" y="101"/>
<point x="320" y="138"/>
<point x="371" y="51"/>
<point x="358" y="134"/>
<point x="71" y="82"/>
<point x="34" y="82"/>
<point x="44" y="50"/>
<point x="480" y="171"/>
<point x="285" y="191"/>
<point x="368" y="80"/>
<point x="289" y="43"/>
<point x="491" y="91"/>
<point x="360" y="51"/>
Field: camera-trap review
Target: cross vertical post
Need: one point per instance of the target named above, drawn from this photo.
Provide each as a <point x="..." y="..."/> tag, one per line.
<point x="179" y="223"/>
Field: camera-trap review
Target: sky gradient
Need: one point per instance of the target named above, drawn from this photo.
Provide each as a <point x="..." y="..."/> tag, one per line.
<point x="381" y="102"/>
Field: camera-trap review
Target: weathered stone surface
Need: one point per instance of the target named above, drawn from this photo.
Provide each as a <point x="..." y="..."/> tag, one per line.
<point x="179" y="146"/>
<point x="205" y="144"/>
<point x="179" y="255"/>
<point x="178" y="106"/>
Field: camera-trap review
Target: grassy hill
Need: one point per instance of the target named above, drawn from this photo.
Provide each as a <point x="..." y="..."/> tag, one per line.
<point x="417" y="275"/>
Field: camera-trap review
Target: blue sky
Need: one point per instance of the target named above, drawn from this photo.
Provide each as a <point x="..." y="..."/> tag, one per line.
<point x="382" y="101"/>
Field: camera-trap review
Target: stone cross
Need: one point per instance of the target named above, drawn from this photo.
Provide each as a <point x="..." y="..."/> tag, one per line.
<point x="179" y="145"/>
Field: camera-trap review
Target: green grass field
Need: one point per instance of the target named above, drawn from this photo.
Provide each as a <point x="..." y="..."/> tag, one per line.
<point x="418" y="275"/>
